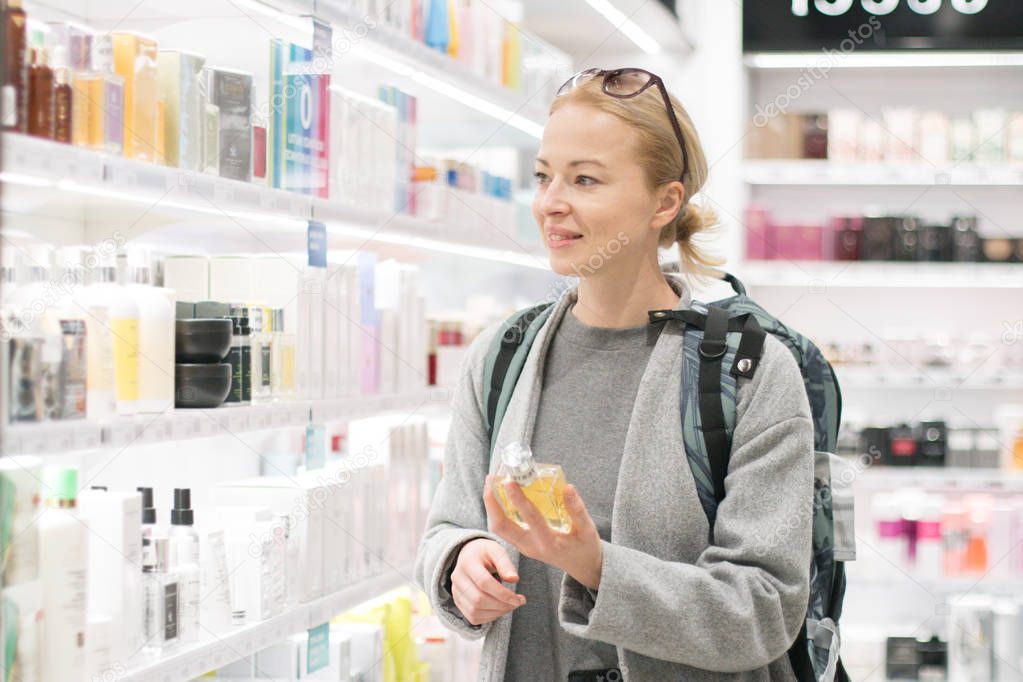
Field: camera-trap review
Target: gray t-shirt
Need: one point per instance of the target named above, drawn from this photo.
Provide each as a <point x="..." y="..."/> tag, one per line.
<point x="591" y="378"/>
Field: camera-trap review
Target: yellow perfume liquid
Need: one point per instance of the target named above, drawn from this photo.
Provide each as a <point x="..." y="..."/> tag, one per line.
<point x="542" y="484"/>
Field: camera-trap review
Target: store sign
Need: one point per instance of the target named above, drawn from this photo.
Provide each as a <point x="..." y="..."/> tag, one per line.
<point x="811" y="25"/>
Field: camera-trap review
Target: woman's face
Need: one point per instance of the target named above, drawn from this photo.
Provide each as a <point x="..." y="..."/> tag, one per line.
<point x="593" y="206"/>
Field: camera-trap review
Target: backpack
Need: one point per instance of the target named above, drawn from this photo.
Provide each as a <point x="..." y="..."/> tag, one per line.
<point x="722" y="341"/>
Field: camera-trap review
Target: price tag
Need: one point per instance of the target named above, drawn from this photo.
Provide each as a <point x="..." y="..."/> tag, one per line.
<point x="316" y="242"/>
<point x="222" y="193"/>
<point x="87" y="436"/>
<point x="184" y="425"/>
<point x="238" y="420"/>
<point x="318" y="651"/>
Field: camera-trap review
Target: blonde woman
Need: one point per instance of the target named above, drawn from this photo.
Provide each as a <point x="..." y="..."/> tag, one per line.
<point x="636" y="591"/>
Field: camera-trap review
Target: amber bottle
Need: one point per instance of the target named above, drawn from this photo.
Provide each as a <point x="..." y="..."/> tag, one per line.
<point x="40" y="96"/>
<point x="62" y="103"/>
<point x="13" y="96"/>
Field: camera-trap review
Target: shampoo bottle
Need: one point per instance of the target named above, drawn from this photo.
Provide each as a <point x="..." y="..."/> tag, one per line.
<point x="63" y="563"/>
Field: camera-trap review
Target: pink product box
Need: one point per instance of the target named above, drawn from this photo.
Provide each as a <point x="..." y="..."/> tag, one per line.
<point x="799" y="242"/>
<point x="760" y="234"/>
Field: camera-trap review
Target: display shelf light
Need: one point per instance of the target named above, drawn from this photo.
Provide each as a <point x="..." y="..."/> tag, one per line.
<point x="626" y="26"/>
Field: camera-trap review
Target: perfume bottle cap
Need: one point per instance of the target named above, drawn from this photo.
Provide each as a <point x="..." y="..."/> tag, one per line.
<point x="516" y="454"/>
<point x="148" y="510"/>
<point x="182" y="514"/>
<point x="519" y="460"/>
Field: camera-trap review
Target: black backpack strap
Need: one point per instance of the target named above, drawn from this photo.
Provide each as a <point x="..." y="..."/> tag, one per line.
<point x="502" y="353"/>
<point x="751" y="345"/>
<point x="799" y="657"/>
<point x="712" y="413"/>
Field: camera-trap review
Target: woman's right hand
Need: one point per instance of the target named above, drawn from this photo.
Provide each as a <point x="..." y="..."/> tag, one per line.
<point x="478" y="594"/>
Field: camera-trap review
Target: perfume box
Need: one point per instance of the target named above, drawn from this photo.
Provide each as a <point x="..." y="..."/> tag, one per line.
<point x="231" y="92"/>
<point x="179" y="87"/>
<point x="299" y="119"/>
<point x="135" y="60"/>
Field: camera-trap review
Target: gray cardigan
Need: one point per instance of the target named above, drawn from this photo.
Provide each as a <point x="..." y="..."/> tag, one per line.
<point x="676" y="607"/>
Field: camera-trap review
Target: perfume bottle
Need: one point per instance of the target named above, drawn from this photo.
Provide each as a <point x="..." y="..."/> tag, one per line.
<point x="542" y="484"/>
<point x="161" y="597"/>
<point x="260" y="342"/>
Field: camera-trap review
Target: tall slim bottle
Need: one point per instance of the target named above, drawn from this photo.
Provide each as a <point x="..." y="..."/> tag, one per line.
<point x="14" y="91"/>
<point x="63" y="120"/>
<point x="40" y="96"/>
<point x="123" y="324"/>
<point x="63" y="561"/>
<point x="156" y="336"/>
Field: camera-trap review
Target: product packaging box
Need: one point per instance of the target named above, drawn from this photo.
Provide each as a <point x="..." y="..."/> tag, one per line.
<point x="231" y="92"/>
<point x="114" y="555"/>
<point x="188" y="276"/>
<point x="299" y="119"/>
<point x="300" y="499"/>
<point x="179" y="74"/>
<point x="231" y="279"/>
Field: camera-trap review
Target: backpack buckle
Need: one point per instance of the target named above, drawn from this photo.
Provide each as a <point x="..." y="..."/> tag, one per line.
<point x="711" y="350"/>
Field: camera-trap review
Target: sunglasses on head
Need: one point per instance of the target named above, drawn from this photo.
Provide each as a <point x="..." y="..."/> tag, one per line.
<point x="626" y="84"/>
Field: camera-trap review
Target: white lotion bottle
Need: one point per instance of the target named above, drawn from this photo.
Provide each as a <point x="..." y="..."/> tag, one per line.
<point x="63" y="566"/>
<point x="123" y="323"/>
<point x="156" y="336"/>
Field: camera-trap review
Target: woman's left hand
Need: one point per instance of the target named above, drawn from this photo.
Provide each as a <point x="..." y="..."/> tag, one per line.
<point x="578" y="553"/>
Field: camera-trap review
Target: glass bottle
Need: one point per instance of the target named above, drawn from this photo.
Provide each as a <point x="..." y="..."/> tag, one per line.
<point x="542" y="484"/>
<point x="282" y="372"/>
<point x="62" y="96"/>
<point x="160" y="600"/>
<point x="40" y="96"/>
<point x="261" y="346"/>
<point x="13" y="96"/>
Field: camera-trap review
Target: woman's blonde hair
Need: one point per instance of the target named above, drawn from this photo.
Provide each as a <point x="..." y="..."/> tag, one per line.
<point x="660" y="155"/>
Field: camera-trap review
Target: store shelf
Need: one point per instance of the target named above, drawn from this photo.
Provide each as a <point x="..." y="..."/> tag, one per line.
<point x="905" y="59"/>
<point x="938" y="478"/>
<point x="52" y="190"/>
<point x="387" y="48"/>
<point x="190" y="661"/>
<point x="872" y="378"/>
<point x="881" y="174"/>
<point x="818" y="276"/>
<point x="183" y="424"/>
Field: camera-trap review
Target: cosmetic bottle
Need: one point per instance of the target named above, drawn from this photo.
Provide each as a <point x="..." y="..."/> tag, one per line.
<point x="62" y="96"/>
<point x="148" y="514"/>
<point x="36" y="341"/>
<point x="123" y="322"/>
<point x="240" y="359"/>
<point x="542" y="484"/>
<point x="13" y="92"/>
<point x="260" y="341"/>
<point x="135" y="61"/>
<point x="161" y="600"/>
<point x="184" y="550"/>
<point x="156" y="336"/>
<point x="282" y="372"/>
<point x="63" y="562"/>
<point x="182" y="519"/>
<point x="40" y="96"/>
<point x="98" y="102"/>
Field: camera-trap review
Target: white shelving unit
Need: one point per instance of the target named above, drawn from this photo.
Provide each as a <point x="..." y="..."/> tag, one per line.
<point x="882" y="378"/>
<point x="819" y="172"/>
<point x="877" y="274"/>
<point x="940" y="479"/>
<point x="60" y="437"/>
<point x="188" y="661"/>
<point x="52" y="190"/>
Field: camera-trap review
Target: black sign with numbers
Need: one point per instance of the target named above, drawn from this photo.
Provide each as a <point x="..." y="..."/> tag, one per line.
<point x="851" y="25"/>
